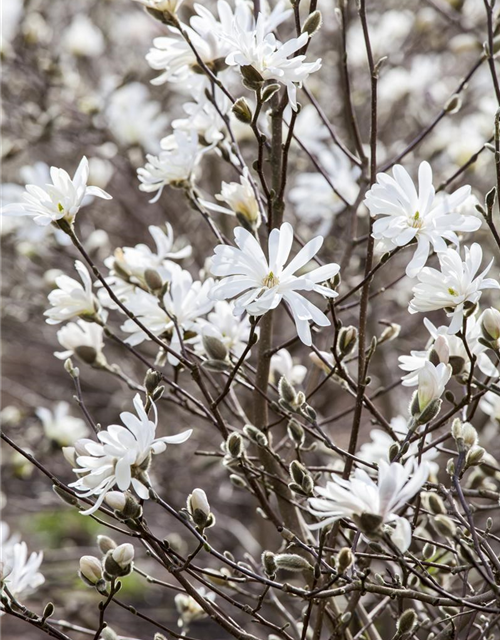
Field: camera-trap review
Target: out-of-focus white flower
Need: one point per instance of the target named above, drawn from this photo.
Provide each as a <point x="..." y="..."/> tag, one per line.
<point x="241" y="200"/>
<point x="184" y="302"/>
<point x="84" y="339"/>
<point x="261" y="284"/>
<point x="12" y="12"/>
<point x="362" y="500"/>
<point x="71" y="299"/>
<point x="377" y="449"/>
<point x="282" y="365"/>
<point x="455" y="288"/>
<point x="221" y="323"/>
<point x="169" y="6"/>
<point x="21" y="573"/>
<point x="271" y="58"/>
<point x="490" y="325"/>
<point x="188" y="609"/>
<point x="432" y="381"/>
<point x="83" y="38"/>
<point x="449" y="349"/>
<point x="128" y="265"/>
<point x="134" y="119"/>
<point x="121" y="457"/>
<point x="408" y="215"/>
<point x="60" y="200"/>
<point x="490" y="404"/>
<point x="174" y="166"/>
<point x="60" y="426"/>
<point x="325" y="362"/>
<point x="312" y="196"/>
<point x="203" y="119"/>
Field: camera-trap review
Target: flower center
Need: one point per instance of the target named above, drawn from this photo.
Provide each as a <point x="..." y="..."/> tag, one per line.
<point x="60" y="207"/>
<point x="452" y="291"/>
<point x="416" y="222"/>
<point x="270" y="280"/>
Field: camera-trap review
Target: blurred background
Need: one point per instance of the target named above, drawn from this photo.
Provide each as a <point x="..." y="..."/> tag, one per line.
<point x="76" y="83"/>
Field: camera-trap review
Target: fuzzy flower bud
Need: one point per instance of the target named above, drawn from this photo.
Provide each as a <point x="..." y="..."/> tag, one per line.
<point x="199" y="509"/>
<point x="269" y="563"/>
<point x="445" y="526"/>
<point x="234" y="445"/>
<point x="90" y="570"/>
<point x="242" y="111"/>
<point x="348" y="336"/>
<point x="105" y="544"/>
<point x="291" y="562"/>
<point x="345" y="559"/>
<point x="407" y="621"/>
<point x="123" y="555"/>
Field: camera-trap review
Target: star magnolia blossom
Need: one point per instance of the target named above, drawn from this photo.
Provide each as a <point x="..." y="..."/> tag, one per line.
<point x="361" y="496"/>
<point x="173" y="166"/>
<point x="20" y="571"/>
<point x="449" y="349"/>
<point x="432" y="382"/>
<point x="60" y="200"/>
<point x="377" y="450"/>
<point x="185" y="301"/>
<point x="221" y="323"/>
<point x="455" y="288"/>
<point x="121" y="457"/>
<point x="262" y="284"/>
<point x="408" y="215"/>
<point x="71" y="299"/>
<point x="60" y="426"/>
<point x="241" y="200"/>
<point x="81" y="338"/>
<point x="271" y="58"/>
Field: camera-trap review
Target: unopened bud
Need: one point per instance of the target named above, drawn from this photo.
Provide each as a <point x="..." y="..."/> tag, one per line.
<point x="490" y="325"/>
<point x="348" y="336"/>
<point x="296" y="433"/>
<point x="234" y="445"/>
<point x="255" y="435"/>
<point x="152" y="380"/>
<point x="153" y="280"/>
<point x="108" y="634"/>
<point x="269" y="563"/>
<point x="268" y="91"/>
<point x="86" y="354"/>
<point x="214" y="348"/>
<point x="345" y="559"/>
<point x="123" y="555"/>
<point x="436" y="504"/>
<point x="291" y="562"/>
<point x="105" y="544"/>
<point x="313" y="23"/>
<point x="251" y="77"/>
<point x="287" y="392"/>
<point x="237" y="481"/>
<point x="474" y="456"/>
<point x="407" y="621"/>
<point x="242" y="111"/>
<point x="445" y="526"/>
<point x="429" y="551"/>
<point x="199" y="509"/>
<point x="65" y="496"/>
<point x="453" y="105"/>
<point x="90" y="570"/>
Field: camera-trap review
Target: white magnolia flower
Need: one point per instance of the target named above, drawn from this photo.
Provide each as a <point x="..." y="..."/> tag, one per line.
<point x="71" y="299"/>
<point x="455" y="288"/>
<point x="121" y="457"/>
<point x="241" y="200"/>
<point x="312" y="196"/>
<point x="83" y="38"/>
<point x="203" y="119"/>
<point x="271" y="58"/>
<point x="84" y="339"/>
<point x="185" y="302"/>
<point x="261" y="284"/>
<point x="188" y="609"/>
<point x="60" y="200"/>
<point x="134" y="119"/>
<point x="60" y="426"/>
<point x="221" y="323"/>
<point x="209" y="36"/>
<point x="21" y="572"/>
<point x="490" y="404"/>
<point x="432" y="381"/>
<point x="168" y="6"/>
<point x="379" y="501"/>
<point x="377" y="449"/>
<point x="128" y="265"/>
<point x="408" y="215"/>
<point x="282" y="365"/>
<point x="173" y="166"/>
<point x="450" y="349"/>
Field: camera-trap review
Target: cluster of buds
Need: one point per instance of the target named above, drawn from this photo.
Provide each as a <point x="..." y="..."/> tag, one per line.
<point x="466" y="439"/>
<point x="255" y="435"/>
<point x="118" y="562"/>
<point x="125" y="505"/>
<point x="303" y="483"/>
<point x="152" y="385"/>
<point x="294" y="401"/>
<point x="490" y="328"/>
<point x="198" y="509"/>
